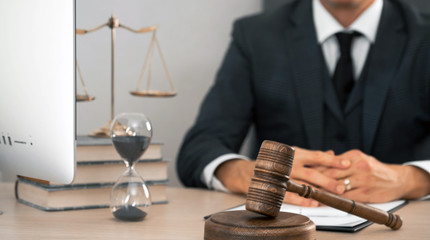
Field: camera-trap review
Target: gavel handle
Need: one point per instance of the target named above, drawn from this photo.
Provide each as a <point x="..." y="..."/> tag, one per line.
<point x="367" y="212"/>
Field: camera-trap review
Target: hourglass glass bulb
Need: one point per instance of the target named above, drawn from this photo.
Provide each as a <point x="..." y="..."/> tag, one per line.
<point x="130" y="198"/>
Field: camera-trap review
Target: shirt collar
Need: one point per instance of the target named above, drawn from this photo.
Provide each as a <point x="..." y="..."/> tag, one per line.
<point x="366" y="24"/>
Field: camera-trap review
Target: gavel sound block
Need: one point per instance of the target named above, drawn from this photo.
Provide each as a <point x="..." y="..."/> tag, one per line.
<point x="265" y="195"/>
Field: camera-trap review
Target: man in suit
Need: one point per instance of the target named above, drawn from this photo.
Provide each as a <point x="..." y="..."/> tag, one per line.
<point x="347" y="82"/>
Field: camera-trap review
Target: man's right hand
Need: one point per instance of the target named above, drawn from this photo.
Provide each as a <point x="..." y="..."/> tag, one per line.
<point x="235" y="174"/>
<point x="308" y="166"/>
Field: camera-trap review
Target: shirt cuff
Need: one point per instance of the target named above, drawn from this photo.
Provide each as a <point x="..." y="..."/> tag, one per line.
<point x="208" y="176"/>
<point x="424" y="165"/>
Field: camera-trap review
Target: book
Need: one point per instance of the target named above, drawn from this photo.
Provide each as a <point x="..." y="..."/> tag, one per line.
<point x="108" y="171"/>
<point x="92" y="149"/>
<point x="331" y="219"/>
<point x="47" y="197"/>
<point x="98" y="162"/>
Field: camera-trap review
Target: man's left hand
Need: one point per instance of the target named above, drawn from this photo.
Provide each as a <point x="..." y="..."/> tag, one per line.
<point x="369" y="180"/>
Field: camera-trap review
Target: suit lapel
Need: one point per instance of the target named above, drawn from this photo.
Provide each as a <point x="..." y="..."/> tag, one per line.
<point x="306" y="66"/>
<point x="384" y="61"/>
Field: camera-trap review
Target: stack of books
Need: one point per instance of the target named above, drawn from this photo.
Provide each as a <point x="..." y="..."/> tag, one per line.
<point x="98" y="167"/>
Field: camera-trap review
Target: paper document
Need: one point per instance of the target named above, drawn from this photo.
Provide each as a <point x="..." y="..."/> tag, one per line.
<point x="328" y="218"/>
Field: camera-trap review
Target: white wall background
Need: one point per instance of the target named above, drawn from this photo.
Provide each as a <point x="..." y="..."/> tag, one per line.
<point x="193" y="35"/>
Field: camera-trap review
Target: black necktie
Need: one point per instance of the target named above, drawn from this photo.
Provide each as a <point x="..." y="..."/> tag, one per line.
<point x="343" y="78"/>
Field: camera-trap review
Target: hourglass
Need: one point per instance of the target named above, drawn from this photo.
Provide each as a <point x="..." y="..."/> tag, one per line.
<point x="130" y="198"/>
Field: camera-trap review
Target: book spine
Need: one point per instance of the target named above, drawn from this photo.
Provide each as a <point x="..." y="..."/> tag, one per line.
<point x="58" y="188"/>
<point x="65" y="187"/>
<point x="140" y="161"/>
<point x="70" y="208"/>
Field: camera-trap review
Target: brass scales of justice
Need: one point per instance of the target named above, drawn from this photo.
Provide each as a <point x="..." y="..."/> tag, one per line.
<point x="113" y="23"/>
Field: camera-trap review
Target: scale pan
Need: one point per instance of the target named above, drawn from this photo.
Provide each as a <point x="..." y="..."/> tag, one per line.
<point x="153" y="93"/>
<point x="84" y="98"/>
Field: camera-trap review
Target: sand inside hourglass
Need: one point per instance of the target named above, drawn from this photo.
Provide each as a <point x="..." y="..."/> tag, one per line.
<point x="129" y="213"/>
<point x="131" y="147"/>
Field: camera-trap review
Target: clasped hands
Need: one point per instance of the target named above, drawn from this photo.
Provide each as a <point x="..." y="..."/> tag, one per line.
<point x="353" y="175"/>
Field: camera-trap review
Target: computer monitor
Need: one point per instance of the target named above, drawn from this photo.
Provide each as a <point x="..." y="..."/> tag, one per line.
<point x="37" y="89"/>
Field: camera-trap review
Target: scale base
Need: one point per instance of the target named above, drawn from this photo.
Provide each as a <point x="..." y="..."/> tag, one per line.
<point x="103" y="132"/>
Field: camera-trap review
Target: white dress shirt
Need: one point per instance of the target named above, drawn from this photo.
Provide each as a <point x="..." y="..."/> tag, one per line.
<point x="326" y="27"/>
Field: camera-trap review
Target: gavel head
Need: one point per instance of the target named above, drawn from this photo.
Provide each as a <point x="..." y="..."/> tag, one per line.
<point x="271" y="174"/>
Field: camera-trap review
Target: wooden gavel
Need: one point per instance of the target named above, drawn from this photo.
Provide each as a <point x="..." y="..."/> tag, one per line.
<point x="271" y="181"/>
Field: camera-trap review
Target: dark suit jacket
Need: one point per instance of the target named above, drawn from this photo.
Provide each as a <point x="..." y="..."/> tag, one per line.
<point x="271" y="77"/>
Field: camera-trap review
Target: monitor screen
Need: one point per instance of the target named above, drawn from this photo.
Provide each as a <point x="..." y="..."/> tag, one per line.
<point x="37" y="89"/>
